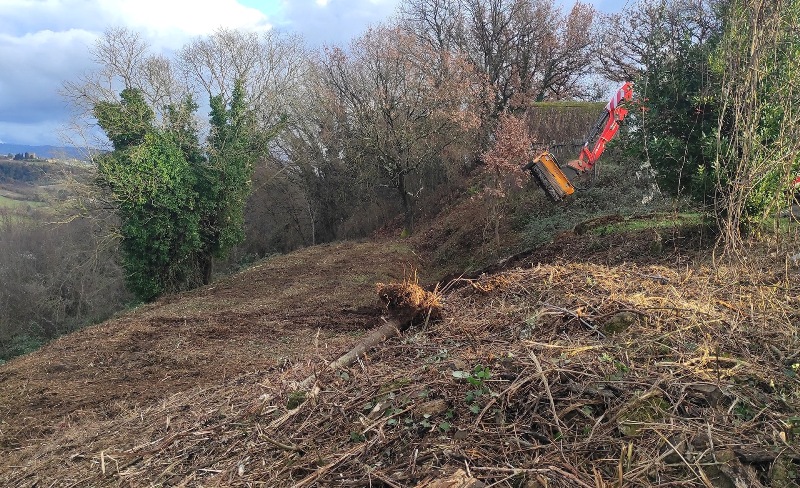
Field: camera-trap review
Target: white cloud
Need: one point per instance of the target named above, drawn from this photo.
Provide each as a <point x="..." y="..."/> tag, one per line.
<point x="337" y="23"/>
<point x="46" y="36"/>
<point x="168" y="22"/>
<point x="34" y="65"/>
<point x="46" y="42"/>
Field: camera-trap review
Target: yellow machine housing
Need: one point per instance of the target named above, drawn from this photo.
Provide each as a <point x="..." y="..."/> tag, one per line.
<point x="550" y="177"/>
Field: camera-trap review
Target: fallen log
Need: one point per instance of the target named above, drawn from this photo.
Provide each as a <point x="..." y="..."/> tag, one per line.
<point x="391" y="328"/>
<point x="406" y="303"/>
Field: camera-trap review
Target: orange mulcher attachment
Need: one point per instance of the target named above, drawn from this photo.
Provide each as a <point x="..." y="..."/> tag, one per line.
<point x="549" y="176"/>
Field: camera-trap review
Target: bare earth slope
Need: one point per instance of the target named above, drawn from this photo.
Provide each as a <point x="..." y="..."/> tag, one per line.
<point x="588" y="362"/>
<point x="256" y="324"/>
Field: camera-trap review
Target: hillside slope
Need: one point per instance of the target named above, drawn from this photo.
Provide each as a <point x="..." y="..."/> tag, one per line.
<point x="592" y="361"/>
<point x="257" y="324"/>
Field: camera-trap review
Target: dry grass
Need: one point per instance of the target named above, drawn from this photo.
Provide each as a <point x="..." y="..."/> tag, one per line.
<point x="544" y="375"/>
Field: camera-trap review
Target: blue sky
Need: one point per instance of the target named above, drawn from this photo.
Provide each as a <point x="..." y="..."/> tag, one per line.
<point x="45" y="42"/>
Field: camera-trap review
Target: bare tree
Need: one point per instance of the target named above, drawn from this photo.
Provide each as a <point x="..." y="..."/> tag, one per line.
<point x="271" y="64"/>
<point x="567" y="58"/>
<point x="529" y="50"/>
<point x="54" y="278"/>
<point x="272" y="67"/>
<point x="401" y="106"/>
<point x="511" y="150"/>
<point x="645" y="30"/>
<point x="315" y="143"/>
<point x="121" y="54"/>
<point x="124" y="60"/>
<point x="438" y="23"/>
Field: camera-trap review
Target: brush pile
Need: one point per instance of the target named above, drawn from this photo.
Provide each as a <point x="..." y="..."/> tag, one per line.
<point x="578" y="375"/>
<point x="541" y="376"/>
<point x="409" y="302"/>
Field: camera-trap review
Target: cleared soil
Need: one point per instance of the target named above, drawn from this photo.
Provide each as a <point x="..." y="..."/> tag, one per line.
<point x="597" y="360"/>
<point x="257" y="322"/>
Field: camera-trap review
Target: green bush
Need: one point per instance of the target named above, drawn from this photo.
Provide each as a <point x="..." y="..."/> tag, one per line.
<point x="19" y="345"/>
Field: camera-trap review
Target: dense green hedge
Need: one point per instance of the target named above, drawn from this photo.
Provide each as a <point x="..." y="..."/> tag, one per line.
<point x="562" y="126"/>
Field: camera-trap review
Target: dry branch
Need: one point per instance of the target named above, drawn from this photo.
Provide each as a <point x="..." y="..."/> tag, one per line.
<point x="391" y="328"/>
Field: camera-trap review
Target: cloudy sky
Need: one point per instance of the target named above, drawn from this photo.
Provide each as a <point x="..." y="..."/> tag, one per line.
<point x="45" y="42"/>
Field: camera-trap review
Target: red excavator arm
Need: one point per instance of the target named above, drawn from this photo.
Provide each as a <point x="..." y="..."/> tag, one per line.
<point x="604" y="130"/>
<point x="796" y="189"/>
<point x="555" y="180"/>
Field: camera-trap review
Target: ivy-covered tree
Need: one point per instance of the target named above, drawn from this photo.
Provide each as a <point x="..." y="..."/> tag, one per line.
<point x="152" y="184"/>
<point x="125" y="122"/>
<point x="223" y="180"/>
<point x="181" y="205"/>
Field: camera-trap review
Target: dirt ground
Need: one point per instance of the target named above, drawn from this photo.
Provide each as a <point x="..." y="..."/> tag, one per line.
<point x="594" y="360"/>
<point x="259" y="321"/>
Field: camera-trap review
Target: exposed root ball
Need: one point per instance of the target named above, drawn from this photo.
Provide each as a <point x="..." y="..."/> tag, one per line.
<point x="409" y="302"/>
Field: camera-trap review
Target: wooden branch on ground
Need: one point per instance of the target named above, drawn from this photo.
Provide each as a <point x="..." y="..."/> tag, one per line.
<point x="391" y="328"/>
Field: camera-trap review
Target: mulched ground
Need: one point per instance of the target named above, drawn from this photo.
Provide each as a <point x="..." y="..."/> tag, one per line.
<point x="258" y="322"/>
<point x="573" y="365"/>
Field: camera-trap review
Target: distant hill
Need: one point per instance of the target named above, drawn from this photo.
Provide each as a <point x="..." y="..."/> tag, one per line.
<point x="47" y="152"/>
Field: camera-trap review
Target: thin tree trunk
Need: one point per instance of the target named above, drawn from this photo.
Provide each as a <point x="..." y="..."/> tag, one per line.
<point x="207" y="268"/>
<point x="408" y="204"/>
<point x="391" y="328"/>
